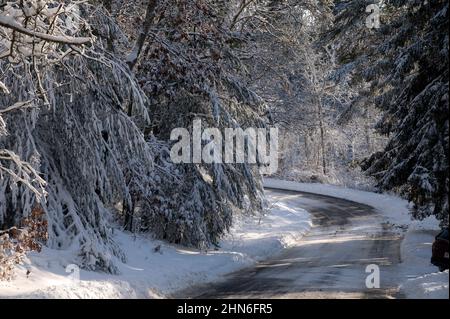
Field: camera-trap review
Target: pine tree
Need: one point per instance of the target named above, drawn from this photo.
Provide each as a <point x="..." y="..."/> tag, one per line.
<point x="405" y="64"/>
<point x="415" y="100"/>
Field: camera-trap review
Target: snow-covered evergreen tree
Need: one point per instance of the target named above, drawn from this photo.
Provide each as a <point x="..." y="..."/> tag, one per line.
<point x="405" y="62"/>
<point x="188" y="63"/>
<point x="415" y="100"/>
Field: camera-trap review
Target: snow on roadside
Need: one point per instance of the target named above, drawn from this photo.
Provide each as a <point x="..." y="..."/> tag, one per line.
<point x="420" y="279"/>
<point x="154" y="274"/>
<point x="428" y="286"/>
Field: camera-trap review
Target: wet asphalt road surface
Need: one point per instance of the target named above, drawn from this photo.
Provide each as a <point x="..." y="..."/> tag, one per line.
<point x="329" y="262"/>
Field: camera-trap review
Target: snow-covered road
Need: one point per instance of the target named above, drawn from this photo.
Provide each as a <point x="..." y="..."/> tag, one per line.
<point x="329" y="262"/>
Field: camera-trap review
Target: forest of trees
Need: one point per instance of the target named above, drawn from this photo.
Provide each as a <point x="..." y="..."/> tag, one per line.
<point x="90" y="91"/>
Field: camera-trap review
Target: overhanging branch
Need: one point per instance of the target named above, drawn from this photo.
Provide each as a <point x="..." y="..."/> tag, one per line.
<point x="9" y="23"/>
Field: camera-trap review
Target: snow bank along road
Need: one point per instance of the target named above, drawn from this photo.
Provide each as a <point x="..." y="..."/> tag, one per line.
<point x="329" y="262"/>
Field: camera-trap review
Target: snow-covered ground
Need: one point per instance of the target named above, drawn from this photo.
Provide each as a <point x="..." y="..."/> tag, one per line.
<point x="152" y="274"/>
<point x="420" y="278"/>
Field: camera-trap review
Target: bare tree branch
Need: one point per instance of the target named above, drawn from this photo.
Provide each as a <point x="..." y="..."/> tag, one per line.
<point x="134" y="55"/>
<point x="9" y="23"/>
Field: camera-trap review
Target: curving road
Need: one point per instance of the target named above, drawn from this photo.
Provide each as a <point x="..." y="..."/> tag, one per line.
<point x="329" y="262"/>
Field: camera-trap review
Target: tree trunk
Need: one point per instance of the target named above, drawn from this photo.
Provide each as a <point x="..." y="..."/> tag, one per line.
<point x="149" y="15"/>
<point x="322" y="137"/>
<point x="108" y="5"/>
<point x="128" y="212"/>
<point x="367" y="129"/>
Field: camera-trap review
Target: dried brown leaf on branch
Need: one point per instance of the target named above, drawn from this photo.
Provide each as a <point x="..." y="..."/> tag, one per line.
<point x="16" y="242"/>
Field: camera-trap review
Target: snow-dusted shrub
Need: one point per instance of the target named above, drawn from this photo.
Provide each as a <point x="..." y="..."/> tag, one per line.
<point x="16" y="242"/>
<point x="9" y="257"/>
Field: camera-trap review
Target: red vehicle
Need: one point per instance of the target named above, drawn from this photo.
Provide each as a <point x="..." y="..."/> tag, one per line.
<point x="440" y="257"/>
